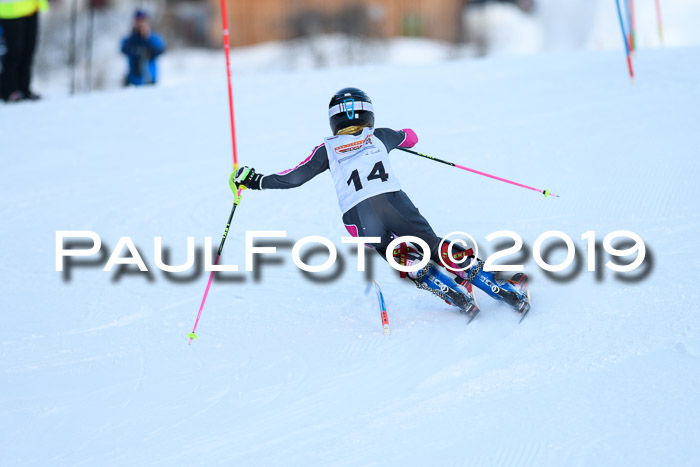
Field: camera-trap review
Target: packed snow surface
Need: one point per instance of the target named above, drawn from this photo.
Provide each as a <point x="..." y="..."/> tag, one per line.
<point x="96" y="368"/>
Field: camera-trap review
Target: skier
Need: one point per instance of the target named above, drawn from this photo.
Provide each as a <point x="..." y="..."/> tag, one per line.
<point x="373" y="204"/>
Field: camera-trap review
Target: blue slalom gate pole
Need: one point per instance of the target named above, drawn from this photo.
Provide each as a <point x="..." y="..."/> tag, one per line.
<point x="624" y="39"/>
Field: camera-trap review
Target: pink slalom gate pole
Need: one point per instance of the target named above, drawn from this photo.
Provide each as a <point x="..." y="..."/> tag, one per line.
<point x="545" y="192"/>
<point x="633" y="29"/>
<point x="237" y="196"/>
<point x="227" y="50"/>
<point x="658" y="21"/>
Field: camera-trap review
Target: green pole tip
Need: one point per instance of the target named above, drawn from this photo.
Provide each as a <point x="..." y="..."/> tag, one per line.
<point x="192" y="335"/>
<point x="545" y="192"/>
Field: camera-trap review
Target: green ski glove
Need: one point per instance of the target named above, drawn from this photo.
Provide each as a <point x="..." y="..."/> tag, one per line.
<point x="245" y="177"/>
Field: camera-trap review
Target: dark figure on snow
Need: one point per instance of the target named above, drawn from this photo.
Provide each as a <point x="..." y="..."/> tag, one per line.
<point x="19" y="21"/>
<point x="142" y="48"/>
<point x="374" y="205"/>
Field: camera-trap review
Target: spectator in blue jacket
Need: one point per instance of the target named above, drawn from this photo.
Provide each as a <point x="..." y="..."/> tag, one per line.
<point x="142" y="48"/>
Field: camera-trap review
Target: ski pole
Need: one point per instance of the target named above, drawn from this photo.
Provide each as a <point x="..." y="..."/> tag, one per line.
<point x="545" y="192"/>
<point x="236" y="201"/>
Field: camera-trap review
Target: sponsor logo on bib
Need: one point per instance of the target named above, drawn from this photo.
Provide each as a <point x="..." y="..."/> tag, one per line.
<point x="354" y="146"/>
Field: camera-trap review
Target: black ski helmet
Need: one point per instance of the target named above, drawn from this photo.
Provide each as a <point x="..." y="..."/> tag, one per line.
<point x="350" y="107"/>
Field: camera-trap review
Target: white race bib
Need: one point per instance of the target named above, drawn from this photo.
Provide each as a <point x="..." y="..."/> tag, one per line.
<point x="360" y="168"/>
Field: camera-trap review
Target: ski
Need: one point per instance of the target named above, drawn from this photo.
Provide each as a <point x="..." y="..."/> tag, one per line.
<point x="382" y="307"/>
<point x="474" y="309"/>
<point x="471" y="314"/>
<point x="522" y="306"/>
<point x="525" y="308"/>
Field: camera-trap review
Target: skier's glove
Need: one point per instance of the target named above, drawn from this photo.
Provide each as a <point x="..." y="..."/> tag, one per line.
<point x="246" y="177"/>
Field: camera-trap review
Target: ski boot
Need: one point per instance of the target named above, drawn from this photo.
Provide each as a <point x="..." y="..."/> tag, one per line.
<point x="437" y="280"/>
<point x="443" y="284"/>
<point x="464" y="288"/>
<point x="513" y="291"/>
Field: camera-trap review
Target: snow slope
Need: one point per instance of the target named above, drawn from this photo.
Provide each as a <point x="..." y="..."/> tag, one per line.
<point x="96" y="370"/>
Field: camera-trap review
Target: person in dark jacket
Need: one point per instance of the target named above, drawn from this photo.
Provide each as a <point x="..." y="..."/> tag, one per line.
<point x="19" y="21"/>
<point x="142" y="48"/>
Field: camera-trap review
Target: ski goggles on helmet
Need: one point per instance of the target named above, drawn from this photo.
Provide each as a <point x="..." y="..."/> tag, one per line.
<point x="349" y="106"/>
